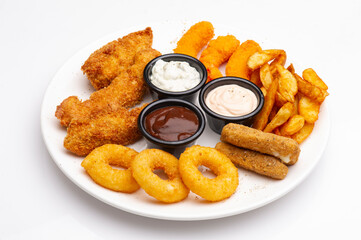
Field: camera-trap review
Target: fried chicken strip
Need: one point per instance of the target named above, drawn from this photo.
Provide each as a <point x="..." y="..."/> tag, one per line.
<point x="126" y="90"/>
<point x="262" y="164"/>
<point x="109" y="61"/>
<point x="116" y="127"/>
<point x="283" y="148"/>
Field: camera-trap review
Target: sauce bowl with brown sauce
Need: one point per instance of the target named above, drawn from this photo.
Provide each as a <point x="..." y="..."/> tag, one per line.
<point x="171" y="124"/>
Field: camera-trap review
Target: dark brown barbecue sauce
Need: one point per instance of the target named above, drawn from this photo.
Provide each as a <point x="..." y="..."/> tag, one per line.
<point x="172" y="123"/>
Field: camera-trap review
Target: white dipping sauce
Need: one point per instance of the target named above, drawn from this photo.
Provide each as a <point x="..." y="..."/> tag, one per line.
<point x="231" y="100"/>
<point x="174" y="76"/>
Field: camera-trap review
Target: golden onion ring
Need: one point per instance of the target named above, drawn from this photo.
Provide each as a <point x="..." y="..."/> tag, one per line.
<point x="97" y="165"/>
<point x="216" y="189"/>
<point x="168" y="191"/>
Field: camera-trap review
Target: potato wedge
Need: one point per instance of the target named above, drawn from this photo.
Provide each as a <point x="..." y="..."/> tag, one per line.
<point x="255" y="78"/>
<point x="280" y="100"/>
<point x="265" y="75"/>
<point x="302" y="134"/>
<point x="295" y="105"/>
<point x="287" y="84"/>
<point x="261" y="119"/>
<point x="259" y="58"/>
<point x="281" y="117"/>
<point x="264" y="91"/>
<point x="309" y="109"/>
<point x="311" y="90"/>
<point x="293" y="125"/>
<point x="291" y="68"/>
<point x="280" y="59"/>
<point x="273" y="113"/>
<point x="277" y="131"/>
<point x="311" y="76"/>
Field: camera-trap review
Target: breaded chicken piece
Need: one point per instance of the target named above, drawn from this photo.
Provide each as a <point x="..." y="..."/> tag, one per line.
<point x="109" y="61"/>
<point x="195" y="39"/>
<point x="116" y="127"/>
<point x="218" y="51"/>
<point x="126" y="90"/>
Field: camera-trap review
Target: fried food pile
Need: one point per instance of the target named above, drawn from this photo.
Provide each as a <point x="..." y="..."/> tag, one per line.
<point x="99" y="126"/>
<point x="106" y="116"/>
<point x="291" y="106"/>
<point x="292" y="102"/>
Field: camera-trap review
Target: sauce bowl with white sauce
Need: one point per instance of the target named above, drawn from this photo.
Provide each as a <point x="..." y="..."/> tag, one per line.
<point x="230" y="100"/>
<point x="175" y="76"/>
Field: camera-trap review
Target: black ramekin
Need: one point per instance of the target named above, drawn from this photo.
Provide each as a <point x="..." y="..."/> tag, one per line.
<point x="216" y="121"/>
<point x="189" y="95"/>
<point x="174" y="147"/>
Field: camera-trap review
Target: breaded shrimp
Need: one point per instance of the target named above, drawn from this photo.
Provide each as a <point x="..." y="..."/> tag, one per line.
<point x="195" y="39"/>
<point x="218" y="51"/>
<point x="237" y="63"/>
<point x="125" y="91"/>
<point x="109" y="61"/>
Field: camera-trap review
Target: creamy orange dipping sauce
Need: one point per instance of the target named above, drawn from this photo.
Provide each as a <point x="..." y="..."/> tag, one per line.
<point x="231" y="100"/>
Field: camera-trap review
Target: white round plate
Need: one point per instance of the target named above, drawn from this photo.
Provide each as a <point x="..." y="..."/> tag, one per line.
<point x="253" y="191"/>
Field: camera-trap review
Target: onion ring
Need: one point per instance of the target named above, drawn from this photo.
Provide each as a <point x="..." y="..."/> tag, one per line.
<point x="97" y="165"/>
<point x="168" y="191"/>
<point x="216" y="189"/>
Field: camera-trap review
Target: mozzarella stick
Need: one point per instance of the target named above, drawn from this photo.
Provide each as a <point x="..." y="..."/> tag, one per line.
<point x="283" y="148"/>
<point x="254" y="161"/>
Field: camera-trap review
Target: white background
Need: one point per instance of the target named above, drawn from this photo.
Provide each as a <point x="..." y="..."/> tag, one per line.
<point x="37" y="201"/>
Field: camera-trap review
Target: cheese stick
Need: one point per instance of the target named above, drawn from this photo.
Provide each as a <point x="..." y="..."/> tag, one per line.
<point x="283" y="148"/>
<point x="254" y="161"/>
